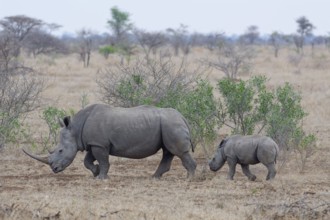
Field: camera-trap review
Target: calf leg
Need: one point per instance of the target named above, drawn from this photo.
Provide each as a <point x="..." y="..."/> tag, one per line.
<point x="247" y="172"/>
<point x="165" y="163"/>
<point x="89" y="164"/>
<point x="271" y="171"/>
<point x="189" y="163"/>
<point x="232" y="169"/>
<point x="102" y="157"/>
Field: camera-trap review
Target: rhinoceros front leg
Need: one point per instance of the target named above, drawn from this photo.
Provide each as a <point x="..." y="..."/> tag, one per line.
<point x="102" y="156"/>
<point x="247" y="172"/>
<point x="165" y="164"/>
<point x="89" y="164"/>
<point x="232" y="168"/>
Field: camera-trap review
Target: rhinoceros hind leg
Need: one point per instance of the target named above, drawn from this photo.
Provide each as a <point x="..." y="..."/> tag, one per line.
<point x="247" y="172"/>
<point x="102" y="157"/>
<point x="189" y="163"/>
<point x="165" y="164"/>
<point x="89" y="164"/>
<point x="271" y="171"/>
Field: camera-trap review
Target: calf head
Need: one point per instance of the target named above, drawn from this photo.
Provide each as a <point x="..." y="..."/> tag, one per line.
<point x="65" y="152"/>
<point x="219" y="158"/>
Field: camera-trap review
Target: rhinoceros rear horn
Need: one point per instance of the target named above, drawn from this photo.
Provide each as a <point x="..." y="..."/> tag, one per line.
<point x="43" y="159"/>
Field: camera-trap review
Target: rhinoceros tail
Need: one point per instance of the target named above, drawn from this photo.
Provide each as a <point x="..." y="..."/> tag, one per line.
<point x="192" y="146"/>
<point x="187" y="124"/>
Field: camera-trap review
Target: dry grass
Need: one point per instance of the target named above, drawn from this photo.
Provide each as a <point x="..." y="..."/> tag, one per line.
<point x="29" y="190"/>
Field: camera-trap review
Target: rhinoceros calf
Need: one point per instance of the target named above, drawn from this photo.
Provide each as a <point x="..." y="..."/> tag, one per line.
<point x="136" y="133"/>
<point x="246" y="150"/>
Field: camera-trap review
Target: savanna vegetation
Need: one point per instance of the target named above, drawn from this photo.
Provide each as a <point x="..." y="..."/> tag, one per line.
<point x="274" y="85"/>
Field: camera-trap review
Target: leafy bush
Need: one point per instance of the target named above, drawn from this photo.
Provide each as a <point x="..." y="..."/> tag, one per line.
<point x="145" y="81"/>
<point x="51" y="116"/>
<point x="248" y="108"/>
<point x="285" y="116"/>
<point x="107" y="50"/>
<point x="245" y="104"/>
<point x="9" y="128"/>
<point x="20" y="88"/>
<point x="199" y="107"/>
<point x="304" y="146"/>
<point x="162" y="83"/>
<point x="232" y="60"/>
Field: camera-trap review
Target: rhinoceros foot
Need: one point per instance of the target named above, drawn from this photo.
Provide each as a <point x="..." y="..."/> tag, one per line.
<point x="96" y="170"/>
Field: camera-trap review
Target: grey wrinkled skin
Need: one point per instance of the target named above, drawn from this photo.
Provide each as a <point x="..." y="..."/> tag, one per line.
<point x="246" y="150"/>
<point x="135" y="133"/>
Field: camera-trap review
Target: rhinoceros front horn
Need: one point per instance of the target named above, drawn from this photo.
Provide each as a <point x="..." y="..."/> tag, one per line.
<point x="43" y="159"/>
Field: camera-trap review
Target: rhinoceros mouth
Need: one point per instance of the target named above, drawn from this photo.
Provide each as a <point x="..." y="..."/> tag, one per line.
<point x="57" y="169"/>
<point x="212" y="168"/>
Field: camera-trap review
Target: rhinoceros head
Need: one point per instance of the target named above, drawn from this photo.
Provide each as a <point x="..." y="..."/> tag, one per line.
<point x="65" y="152"/>
<point x="219" y="158"/>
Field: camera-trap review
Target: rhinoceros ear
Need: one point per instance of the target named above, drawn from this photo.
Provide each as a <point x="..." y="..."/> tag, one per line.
<point x="223" y="142"/>
<point x="65" y="122"/>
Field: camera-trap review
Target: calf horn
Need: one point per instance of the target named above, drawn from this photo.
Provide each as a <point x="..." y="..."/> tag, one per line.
<point x="43" y="159"/>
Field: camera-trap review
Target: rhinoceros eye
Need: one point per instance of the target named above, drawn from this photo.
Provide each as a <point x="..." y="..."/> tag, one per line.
<point x="60" y="151"/>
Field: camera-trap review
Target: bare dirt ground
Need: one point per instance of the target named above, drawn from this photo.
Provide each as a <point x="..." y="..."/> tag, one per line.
<point x="29" y="190"/>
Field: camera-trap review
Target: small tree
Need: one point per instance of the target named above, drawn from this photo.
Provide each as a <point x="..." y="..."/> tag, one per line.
<point x="8" y="48"/>
<point x="149" y="42"/>
<point x="85" y="46"/>
<point x="276" y="40"/>
<point x="107" y="50"/>
<point x="18" y="27"/>
<point x="179" y="39"/>
<point x="251" y="35"/>
<point x="214" y="41"/>
<point x="40" y="42"/>
<point x="305" y="28"/>
<point x="232" y="60"/>
<point x="120" y="24"/>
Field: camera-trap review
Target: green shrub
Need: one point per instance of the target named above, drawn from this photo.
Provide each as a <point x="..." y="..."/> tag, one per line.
<point x="107" y="50"/>
<point x="285" y="117"/>
<point x="244" y="104"/>
<point x="304" y="146"/>
<point x="51" y="116"/>
<point x="10" y="128"/>
<point x="199" y="107"/>
<point x="247" y="107"/>
<point x="164" y="84"/>
<point x="134" y="91"/>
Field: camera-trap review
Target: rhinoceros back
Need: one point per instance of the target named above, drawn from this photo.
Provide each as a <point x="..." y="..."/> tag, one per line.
<point x="135" y="132"/>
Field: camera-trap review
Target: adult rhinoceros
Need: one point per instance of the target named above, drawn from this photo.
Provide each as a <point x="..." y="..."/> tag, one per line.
<point x="246" y="150"/>
<point x="136" y="133"/>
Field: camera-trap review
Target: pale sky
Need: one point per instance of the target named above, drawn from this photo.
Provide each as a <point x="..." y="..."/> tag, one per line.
<point x="205" y="16"/>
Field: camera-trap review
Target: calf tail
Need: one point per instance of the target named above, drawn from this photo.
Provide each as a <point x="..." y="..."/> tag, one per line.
<point x="277" y="151"/>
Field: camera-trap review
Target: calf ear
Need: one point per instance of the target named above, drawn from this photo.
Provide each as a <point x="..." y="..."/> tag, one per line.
<point x="222" y="143"/>
<point x="65" y="122"/>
